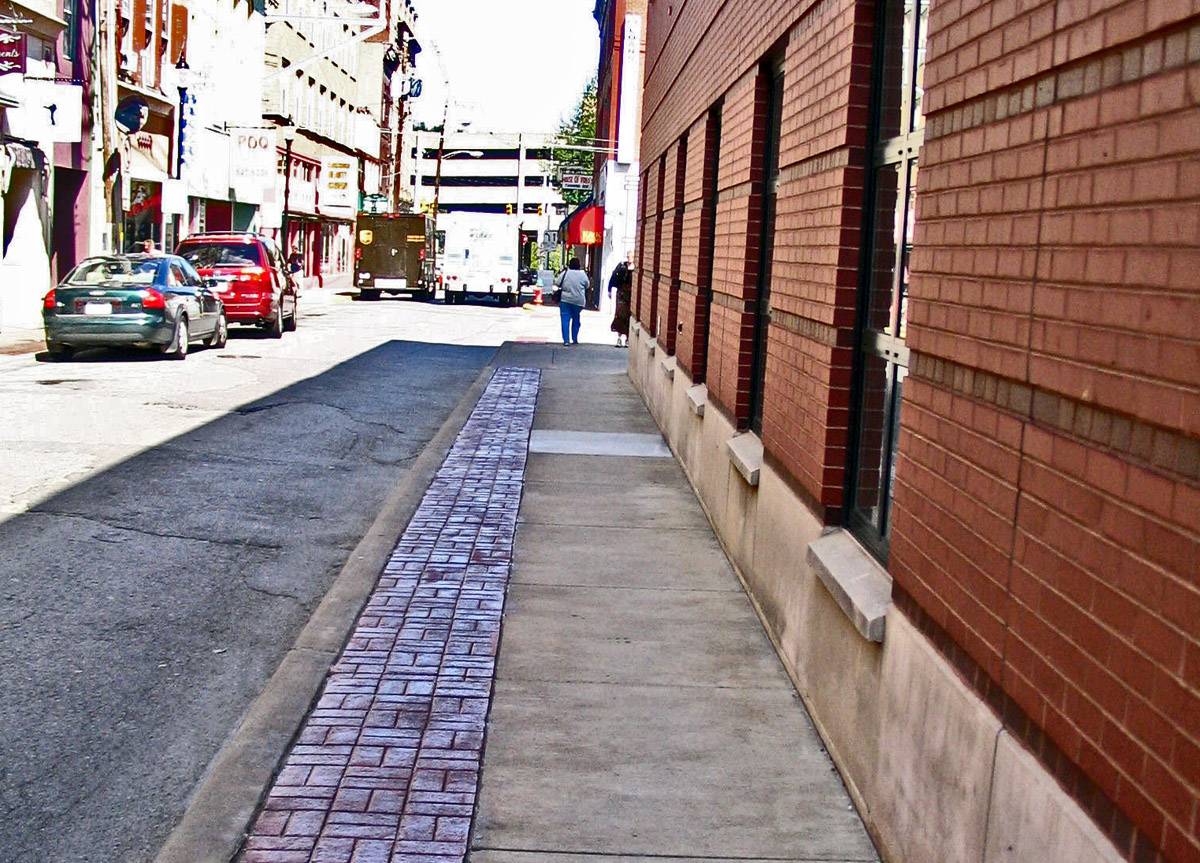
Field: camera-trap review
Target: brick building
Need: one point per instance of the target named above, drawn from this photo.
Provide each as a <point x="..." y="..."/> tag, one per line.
<point x="918" y="307"/>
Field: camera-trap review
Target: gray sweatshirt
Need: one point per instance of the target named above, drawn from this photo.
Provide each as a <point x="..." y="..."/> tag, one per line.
<point x="574" y="284"/>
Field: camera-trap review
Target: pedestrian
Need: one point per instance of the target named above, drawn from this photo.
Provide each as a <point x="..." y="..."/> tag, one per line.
<point x="573" y="284"/>
<point x="622" y="282"/>
<point x="149" y="248"/>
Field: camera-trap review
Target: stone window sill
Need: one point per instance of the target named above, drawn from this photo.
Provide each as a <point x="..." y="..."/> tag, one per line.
<point x="697" y="398"/>
<point x="650" y="345"/>
<point x="746" y="453"/>
<point x="855" y="579"/>
<point x="668" y="366"/>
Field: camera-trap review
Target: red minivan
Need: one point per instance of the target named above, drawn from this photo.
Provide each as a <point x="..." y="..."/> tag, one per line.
<point x="251" y="275"/>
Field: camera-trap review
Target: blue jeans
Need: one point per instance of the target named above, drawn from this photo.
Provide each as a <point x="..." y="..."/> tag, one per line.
<point x="569" y="313"/>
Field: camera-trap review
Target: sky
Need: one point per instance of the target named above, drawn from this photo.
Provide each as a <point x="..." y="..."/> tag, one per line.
<point x="512" y="65"/>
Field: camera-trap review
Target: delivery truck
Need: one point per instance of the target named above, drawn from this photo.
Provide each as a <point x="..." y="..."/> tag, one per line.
<point x="395" y="253"/>
<point x="480" y="257"/>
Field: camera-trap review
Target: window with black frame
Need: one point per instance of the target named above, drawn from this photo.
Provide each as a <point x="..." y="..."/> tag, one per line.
<point x="882" y="363"/>
<point x="772" y="74"/>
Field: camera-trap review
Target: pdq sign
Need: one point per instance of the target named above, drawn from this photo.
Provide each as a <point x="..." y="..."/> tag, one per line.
<point x="252" y="161"/>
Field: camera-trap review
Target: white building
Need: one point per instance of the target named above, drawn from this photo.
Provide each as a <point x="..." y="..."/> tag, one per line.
<point x="336" y="74"/>
<point x="491" y="173"/>
<point x="220" y="97"/>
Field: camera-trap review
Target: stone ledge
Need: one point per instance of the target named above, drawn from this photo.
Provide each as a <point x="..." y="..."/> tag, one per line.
<point x="668" y="367"/>
<point x="650" y="344"/>
<point x="746" y="453"/>
<point x="697" y="398"/>
<point x="856" y="581"/>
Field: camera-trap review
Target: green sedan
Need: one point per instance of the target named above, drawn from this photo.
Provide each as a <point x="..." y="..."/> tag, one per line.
<point x="155" y="301"/>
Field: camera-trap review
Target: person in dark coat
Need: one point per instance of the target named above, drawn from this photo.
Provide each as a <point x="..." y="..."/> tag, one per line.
<point x="621" y="281"/>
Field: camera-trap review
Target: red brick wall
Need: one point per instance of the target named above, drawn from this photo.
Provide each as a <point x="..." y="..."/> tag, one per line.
<point x="817" y="239"/>
<point x="827" y="58"/>
<point x="695" y="247"/>
<point x="1047" y="502"/>
<point x="736" y="239"/>
<point x="641" y="279"/>
<point x="1048" y="492"/>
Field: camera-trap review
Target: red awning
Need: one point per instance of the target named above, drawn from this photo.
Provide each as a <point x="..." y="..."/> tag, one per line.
<point x="584" y="227"/>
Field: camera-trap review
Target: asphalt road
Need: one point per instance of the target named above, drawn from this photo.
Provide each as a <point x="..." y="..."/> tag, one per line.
<point x="169" y="527"/>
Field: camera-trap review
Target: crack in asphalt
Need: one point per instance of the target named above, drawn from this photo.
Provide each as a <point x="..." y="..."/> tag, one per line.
<point x="231" y="543"/>
<point x="254" y="409"/>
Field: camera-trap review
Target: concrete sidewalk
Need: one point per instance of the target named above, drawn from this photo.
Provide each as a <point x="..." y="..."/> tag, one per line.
<point x="635" y="709"/>
<point x="639" y="709"/>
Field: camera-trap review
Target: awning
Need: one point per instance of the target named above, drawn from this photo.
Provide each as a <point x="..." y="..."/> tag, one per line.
<point x="584" y="226"/>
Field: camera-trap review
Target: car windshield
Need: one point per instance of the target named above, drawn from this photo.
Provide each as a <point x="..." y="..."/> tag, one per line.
<point x="109" y="271"/>
<point x="232" y="254"/>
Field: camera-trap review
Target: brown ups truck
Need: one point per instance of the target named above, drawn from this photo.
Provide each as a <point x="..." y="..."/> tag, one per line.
<point x="395" y="253"/>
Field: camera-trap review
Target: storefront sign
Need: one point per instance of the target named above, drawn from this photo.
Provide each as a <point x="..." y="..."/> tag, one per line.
<point x="375" y="204"/>
<point x="628" y="129"/>
<point x="50" y="112"/>
<point x="149" y="156"/>
<point x="575" y="179"/>
<point x="12" y="52"/>
<point x="174" y="197"/>
<point x="339" y="183"/>
<point x="252" y="161"/>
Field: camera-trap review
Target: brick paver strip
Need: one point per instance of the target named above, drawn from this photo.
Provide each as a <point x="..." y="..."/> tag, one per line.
<point x="386" y="768"/>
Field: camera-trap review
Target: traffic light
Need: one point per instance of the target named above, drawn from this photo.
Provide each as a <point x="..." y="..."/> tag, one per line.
<point x="541" y="209"/>
<point x="508" y="209"/>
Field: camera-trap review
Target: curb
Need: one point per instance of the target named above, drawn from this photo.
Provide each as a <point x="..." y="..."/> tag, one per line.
<point x="224" y="803"/>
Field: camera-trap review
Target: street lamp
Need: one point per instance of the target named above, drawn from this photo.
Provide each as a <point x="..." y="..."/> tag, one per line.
<point x="288" y="130"/>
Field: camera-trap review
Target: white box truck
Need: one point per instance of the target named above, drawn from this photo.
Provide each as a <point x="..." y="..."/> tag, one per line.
<point x="480" y="257"/>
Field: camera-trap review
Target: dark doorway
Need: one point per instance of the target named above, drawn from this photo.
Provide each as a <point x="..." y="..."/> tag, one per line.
<point x="69" y="233"/>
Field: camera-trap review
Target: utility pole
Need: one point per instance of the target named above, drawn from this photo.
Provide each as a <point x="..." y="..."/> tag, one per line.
<point x="437" y="179"/>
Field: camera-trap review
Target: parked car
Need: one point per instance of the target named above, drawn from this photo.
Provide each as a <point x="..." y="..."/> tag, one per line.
<point x="139" y="300"/>
<point x="252" y="276"/>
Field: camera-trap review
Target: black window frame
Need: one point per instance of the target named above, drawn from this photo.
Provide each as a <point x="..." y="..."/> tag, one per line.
<point x="773" y="71"/>
<point x="894" y="144"/>
<point x="708" y="219"/>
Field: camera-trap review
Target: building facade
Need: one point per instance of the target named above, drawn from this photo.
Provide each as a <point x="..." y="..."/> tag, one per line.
<point x="46" y="192"/>
<point x="221" y="111"/>
<point x="337" y="84"/>
<point x="618" y="127"/>
<point x="918" y="309"/>
<point x="485" y="173"/>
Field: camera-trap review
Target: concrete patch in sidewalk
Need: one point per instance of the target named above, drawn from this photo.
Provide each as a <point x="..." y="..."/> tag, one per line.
<point x="599" y="443"/>
<point x="620" y="556"/>
<point x="572" y="502"/>
<point x="637" y="636"/>
<point x="661" y="771"/>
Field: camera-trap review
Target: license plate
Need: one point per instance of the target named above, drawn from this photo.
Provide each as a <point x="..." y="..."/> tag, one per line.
<point x="392" y="284"/>
<point x="97" y="308"/>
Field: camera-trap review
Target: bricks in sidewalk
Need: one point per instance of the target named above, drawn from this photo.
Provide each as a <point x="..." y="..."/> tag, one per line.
<point x="387" y="765"/>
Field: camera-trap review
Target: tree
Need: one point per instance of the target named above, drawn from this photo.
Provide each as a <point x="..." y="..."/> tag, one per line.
<point x="577" y="131"/>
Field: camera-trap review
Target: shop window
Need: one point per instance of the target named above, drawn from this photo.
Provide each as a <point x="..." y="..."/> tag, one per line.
<point x="882" y="357"/>
<point x="771" y="83"/>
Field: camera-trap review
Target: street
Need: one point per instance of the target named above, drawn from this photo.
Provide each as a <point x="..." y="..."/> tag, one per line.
<point x="168" y="530"/>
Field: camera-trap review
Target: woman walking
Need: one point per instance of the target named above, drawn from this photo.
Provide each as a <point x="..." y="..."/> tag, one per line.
<point x="574" y="284"/>
<point x="622" y="280"/>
